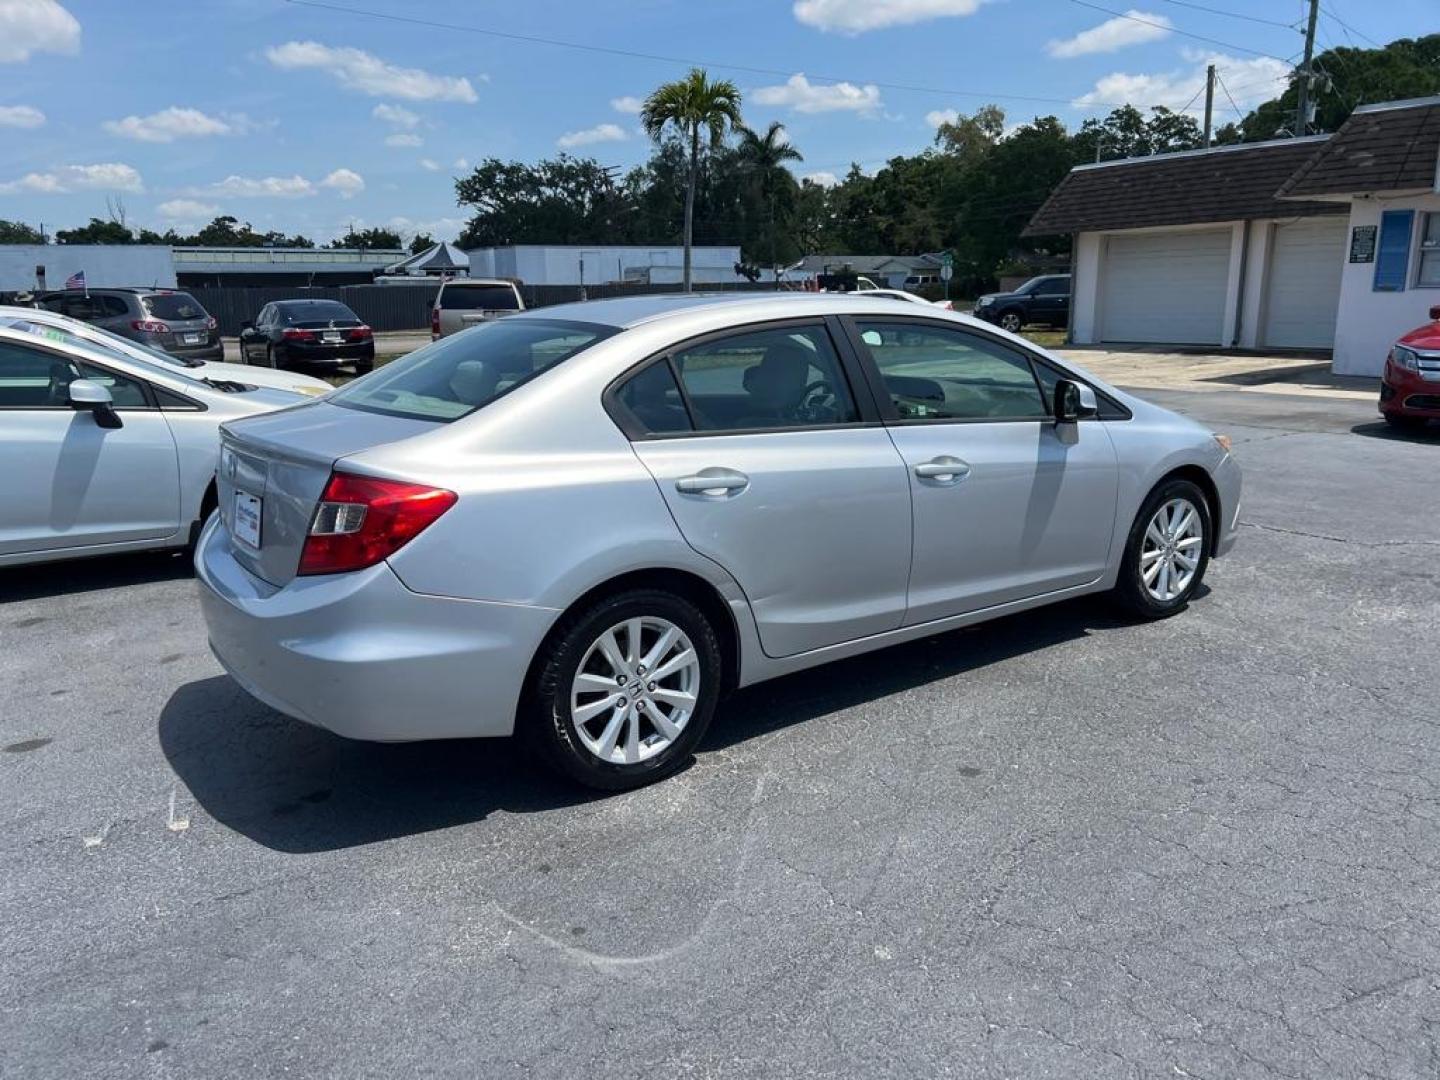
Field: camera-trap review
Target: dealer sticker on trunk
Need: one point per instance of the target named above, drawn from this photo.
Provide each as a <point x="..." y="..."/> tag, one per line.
<point x="247" y="519"/>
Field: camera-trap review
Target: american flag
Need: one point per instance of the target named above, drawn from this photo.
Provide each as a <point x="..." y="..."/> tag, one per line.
<point x="76" y="280"/>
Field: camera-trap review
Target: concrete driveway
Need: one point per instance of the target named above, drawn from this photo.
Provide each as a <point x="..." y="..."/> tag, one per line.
<point x="1062" y="845"/>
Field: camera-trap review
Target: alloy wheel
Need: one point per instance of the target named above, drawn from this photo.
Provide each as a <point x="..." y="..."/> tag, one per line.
<point x="1010" y="322"/>
<point x="1170" y="553"/>
<point x="635" y="690"/>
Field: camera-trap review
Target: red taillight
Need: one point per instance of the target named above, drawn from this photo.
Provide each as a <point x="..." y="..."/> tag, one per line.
<point x="150" y="326"/>
<point x="298" y="335"/>
<point x="360" y="333"/>
<point x="435" y="322"/>
<point x="364" y="519"/>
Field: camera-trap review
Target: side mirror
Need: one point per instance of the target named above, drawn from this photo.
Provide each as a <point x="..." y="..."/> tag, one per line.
<point x="1073" y="402"/>
<point x="246" y="325"/>
<point x="89" y="395"/>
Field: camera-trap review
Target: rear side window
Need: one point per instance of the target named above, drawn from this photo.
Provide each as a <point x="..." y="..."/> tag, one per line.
<point x="939" y="373"/>
<point x="173" y="306"/>
<point x="454" y="376"/>
<point x="478" y="298"/>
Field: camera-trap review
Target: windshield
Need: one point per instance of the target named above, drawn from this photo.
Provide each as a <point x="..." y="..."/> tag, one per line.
<point x="456" y="375"/>
<point x="315" y="311"/>
<point x="177" y="305"/>
<point x="476" y="297"/>
<point x="120" y="350"/>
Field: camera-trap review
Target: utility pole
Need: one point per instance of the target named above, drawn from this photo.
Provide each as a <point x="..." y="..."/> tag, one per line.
<point x="1302" y="93"/>
<point x="1209" y="100"/>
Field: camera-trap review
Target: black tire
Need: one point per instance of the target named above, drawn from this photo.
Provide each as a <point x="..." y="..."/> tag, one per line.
<point x="364" y="367"/>
<point x="545" y="721"/>
<point x="270" y="357"/>
<point x="1401" y="422"/>
<point x="1131" y="592"/>
<point x="1012" y="320"/>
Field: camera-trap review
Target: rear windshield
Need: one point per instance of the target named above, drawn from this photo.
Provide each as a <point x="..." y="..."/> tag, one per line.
<point x="456" y="375"/>
<point x="175" y="305"/>
<point x="475" y="297"/>
<point x="315" y="311"/>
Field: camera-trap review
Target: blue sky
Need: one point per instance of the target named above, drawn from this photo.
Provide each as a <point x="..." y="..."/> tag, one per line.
<point x="306" y="119"/>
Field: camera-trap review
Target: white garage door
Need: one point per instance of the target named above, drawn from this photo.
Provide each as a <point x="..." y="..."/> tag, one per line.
<point x="1165" y="287"/>
<point x="1303" y="292"/>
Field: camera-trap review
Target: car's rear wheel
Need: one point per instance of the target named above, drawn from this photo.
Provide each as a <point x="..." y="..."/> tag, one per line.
<point x="1401" y="422"/>
<point x="1011" y="321"/>
<point x="624" y="690"/>
<point x="270" y="356"/>
<point x="364" y="367"/>
<point x="1167" y="551"/>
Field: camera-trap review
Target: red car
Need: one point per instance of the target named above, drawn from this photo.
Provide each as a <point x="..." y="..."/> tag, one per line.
<point x="1410" y="387"/>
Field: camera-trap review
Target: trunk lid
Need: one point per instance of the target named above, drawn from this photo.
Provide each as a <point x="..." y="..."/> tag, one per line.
<point x="275" y="467"/>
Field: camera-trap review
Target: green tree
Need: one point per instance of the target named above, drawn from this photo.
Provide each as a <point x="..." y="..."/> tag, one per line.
<point x="421" y="242"/>
<point x="369" y="239"/>
<point x="564" y="200"/>
<point x="692" y="105"/>
<point x="98" y="231"/>
<point x="17" y="232"/>
<point x="764" y="157"/>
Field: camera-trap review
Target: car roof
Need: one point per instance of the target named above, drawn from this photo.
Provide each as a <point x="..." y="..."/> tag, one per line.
<point x="476" y="281"/>
<point x="627" y="311"/>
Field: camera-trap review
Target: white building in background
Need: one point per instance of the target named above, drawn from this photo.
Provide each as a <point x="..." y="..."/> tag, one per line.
<point x="569" y="264"/>
<point x="32" y="267"/>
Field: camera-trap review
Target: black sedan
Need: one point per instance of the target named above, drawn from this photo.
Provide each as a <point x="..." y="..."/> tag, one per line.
<point x="307" y="333"/>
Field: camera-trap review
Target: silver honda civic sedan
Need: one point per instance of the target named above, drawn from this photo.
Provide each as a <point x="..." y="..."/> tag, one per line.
<point x="586" y="523"/>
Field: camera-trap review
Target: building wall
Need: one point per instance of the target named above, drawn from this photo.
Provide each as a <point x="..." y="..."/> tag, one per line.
<point x="545" y="264"/>
<point x="1370" y="321"/>
<point x="104" y="265"/>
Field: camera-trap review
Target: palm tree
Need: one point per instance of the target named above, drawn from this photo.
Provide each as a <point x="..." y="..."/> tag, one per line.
<point x="692" y="105"/>
<point x="765" y="156"/>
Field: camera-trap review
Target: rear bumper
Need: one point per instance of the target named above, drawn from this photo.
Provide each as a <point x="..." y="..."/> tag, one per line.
<point x="347" y="353"/>
<point x="212" y="353"/>
<point x="364" y="657"/>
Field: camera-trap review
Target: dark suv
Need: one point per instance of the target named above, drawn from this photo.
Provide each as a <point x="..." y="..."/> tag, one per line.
<point x="1044" y="299"/>
<point x="160" y="318"/>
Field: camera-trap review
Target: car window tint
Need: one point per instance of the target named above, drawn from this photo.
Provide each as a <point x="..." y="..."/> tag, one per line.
<point x="84" y="308"/>
<point x="32" y="379"/>
<point x="776" y="378"/>
<point x="456" y="375"/>
<point x="113" y="307"/>
<point x="173" y="306"/>
<point x="125" y="392"/>
<point x="653" y="400"/>
<point x="478" y="298"/>
<point x="314" y="311"/>
<point x="937" y="373"/>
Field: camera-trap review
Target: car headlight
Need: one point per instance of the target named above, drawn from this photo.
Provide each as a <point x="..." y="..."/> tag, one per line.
<point x="312" y="391"/>
<point x="984" y="301"/>
<point x="1405" y="358"/>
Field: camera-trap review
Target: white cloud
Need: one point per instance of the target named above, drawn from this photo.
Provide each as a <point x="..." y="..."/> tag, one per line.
<point x="936" y="117"/>
<point x="30" y="26"/>
<point x="442" y="228"/>
<point x="187" y="210"/>
<point x="462" y="163"/>
<point x="1257" y="79"/>
<point x="346" y="182"/>
<point x="250" y="187"/>
<point x="627" y="104"/>
<point x="167" y="125"/>
<point x="21" y="116"/>
<point x="404" y="138"/>
<point x="429" y="164"/>
<point x="800" y="94"/>
<point x="600" y="133"/>
<point x="397" y="115"/>
<point x="366" y="73"/>
<point x="1112" y="35"/>
<point x="824" y="178"/>
<point x="858" y="16"/>
<point x="110" y="176"/>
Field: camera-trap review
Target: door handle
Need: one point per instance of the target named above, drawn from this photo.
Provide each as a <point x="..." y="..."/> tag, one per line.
<point x="713" y="482"/>
<point x="943" y="470"/>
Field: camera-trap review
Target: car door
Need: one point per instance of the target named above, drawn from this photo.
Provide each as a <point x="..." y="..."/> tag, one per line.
<point x="69" y="481"/>
<point x="1052" y="301"/>
<point x="252" y="340"/>
<point x="1007" y="504"/>
<point x="778" y="471"/>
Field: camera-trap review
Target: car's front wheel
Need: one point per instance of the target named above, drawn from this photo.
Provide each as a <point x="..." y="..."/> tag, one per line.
<point x="1167" y="551"/>
<point x="624" y="690"/>
<point x="1011" y="321"/>
<point x="1402" y="422"/>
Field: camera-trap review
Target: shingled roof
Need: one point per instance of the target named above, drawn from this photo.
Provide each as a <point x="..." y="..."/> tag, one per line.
<point x="1224" y="183"/>
<point x="1393" y="146"/>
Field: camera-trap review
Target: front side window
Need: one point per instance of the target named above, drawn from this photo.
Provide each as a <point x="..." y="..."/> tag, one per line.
<point x="938" y="373"/>
<point x="35" y="379"/>
<point x="1053" y="287"/>
<point x="1428" y="273"/>
<point x="456" y="375"/>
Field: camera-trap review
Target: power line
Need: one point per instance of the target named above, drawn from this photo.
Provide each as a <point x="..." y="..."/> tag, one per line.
<point x="1232" y="14"/>
<point x="1228" y="97"/>
<point x="1350" y="29"/>
<point x="1168" y="27"/>
<point x="784" y="73"/>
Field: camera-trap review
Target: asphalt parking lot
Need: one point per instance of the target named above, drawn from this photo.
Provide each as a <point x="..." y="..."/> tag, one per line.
<point x="1061" y="845"/>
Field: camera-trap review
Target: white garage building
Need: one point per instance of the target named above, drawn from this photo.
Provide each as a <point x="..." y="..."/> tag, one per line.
<point x="1321" y="243"/>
